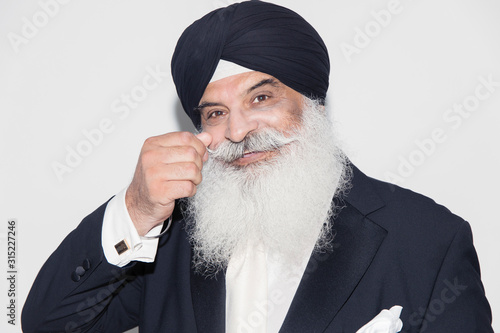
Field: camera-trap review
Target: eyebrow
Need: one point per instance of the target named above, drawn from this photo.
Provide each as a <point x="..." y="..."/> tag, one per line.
<point x="203" y="105"/>
<point x="271" y="81"/>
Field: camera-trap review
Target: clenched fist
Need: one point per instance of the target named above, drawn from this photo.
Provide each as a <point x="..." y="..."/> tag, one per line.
<point x="169" y="168"/>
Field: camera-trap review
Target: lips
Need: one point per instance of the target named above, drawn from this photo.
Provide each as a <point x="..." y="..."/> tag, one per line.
<point x="251" y="157"/>
<point x="250" y="153"/>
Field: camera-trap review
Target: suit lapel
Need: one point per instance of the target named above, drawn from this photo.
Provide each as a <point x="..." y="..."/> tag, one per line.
<point x="209" y="302"/>
<point x="330" y="278"/>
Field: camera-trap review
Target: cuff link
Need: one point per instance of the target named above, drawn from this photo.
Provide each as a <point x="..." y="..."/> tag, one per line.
<point x="121" y="247"/>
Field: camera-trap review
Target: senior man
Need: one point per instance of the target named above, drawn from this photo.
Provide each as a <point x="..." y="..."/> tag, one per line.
<point x="259" y="223"/>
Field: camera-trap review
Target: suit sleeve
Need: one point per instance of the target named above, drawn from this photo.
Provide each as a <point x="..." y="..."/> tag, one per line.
<point x="458" y="302"/>
<point x="77" y="290"/>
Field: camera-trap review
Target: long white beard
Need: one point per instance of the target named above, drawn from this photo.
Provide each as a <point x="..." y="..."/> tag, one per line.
<point x="284" y="203"/>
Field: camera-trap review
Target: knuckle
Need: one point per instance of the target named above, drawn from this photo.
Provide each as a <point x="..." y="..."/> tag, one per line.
<point x="190" y="152"/>
<point x="149" y="141"/>
<point x="148" y="155"/>
<point x="193" y="190"/>
<point x="189" y="188"/>
<point x="185" y="137"/>
<point x="191" y="167"/>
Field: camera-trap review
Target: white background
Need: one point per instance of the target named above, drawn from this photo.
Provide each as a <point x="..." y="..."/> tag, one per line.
<point x="65" y="77"/>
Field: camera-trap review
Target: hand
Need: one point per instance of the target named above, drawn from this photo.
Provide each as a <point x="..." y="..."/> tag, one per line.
<point x="169" y="168"/>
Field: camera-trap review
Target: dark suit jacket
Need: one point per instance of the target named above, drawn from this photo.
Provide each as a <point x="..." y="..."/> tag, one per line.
<point x="392" y="247"/>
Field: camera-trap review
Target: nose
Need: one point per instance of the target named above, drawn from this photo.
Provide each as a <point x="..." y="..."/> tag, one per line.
<point x="240" y="124"/>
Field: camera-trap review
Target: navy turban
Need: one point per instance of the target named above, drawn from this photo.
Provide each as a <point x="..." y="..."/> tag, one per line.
<point x="257" y="35"/>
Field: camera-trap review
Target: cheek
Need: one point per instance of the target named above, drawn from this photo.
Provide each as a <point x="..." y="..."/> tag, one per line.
<point x="217" y="133"/>
<point x="275" y="119"/>
<point x="284" y="117"/>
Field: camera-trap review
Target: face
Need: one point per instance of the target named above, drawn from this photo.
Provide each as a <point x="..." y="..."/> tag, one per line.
<point x="284" y="204"/>
<point x="236" y="106"/>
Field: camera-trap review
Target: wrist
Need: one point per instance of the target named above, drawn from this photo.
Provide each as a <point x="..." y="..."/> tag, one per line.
<point x="143" y="223"/>
<point x="139" y="218"/>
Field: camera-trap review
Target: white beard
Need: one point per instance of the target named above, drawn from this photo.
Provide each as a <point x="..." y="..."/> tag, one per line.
<point x="284" y="203"/>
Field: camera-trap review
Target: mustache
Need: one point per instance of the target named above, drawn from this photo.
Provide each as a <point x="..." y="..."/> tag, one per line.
<point x="267" y="139"/>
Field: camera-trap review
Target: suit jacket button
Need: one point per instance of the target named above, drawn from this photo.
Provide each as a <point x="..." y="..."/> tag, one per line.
<point x="86" y="264"/>
<point x="75" y="277"/>
<point x="80" y="271"/>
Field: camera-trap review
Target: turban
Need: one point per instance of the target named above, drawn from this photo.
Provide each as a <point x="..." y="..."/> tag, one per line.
<point x="256" y="35"/>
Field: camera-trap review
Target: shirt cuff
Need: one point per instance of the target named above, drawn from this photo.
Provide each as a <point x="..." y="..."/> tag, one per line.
<point x="120" y="240"/>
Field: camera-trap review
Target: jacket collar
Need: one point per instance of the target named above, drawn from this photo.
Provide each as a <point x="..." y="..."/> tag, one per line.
<point x="363" y="196"/>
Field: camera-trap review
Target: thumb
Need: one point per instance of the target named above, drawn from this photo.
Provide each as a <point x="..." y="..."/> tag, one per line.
<point x="205" y="138"/>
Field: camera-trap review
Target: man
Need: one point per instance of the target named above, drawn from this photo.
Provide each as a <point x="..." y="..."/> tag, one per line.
<point x="279" y="231"/>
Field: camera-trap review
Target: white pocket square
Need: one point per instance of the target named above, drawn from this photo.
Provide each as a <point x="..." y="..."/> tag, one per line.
<point x="387" y="321"/>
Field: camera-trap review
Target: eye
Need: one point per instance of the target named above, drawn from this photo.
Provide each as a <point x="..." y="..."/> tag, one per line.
<point x="260" y="98"/>
<point x="215" y="114"/>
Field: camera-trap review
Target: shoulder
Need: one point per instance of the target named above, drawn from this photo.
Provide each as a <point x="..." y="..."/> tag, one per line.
<point x="405" y="214"/>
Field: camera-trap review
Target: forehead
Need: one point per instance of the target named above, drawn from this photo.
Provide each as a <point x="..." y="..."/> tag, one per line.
<point x="240" y="85"/>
